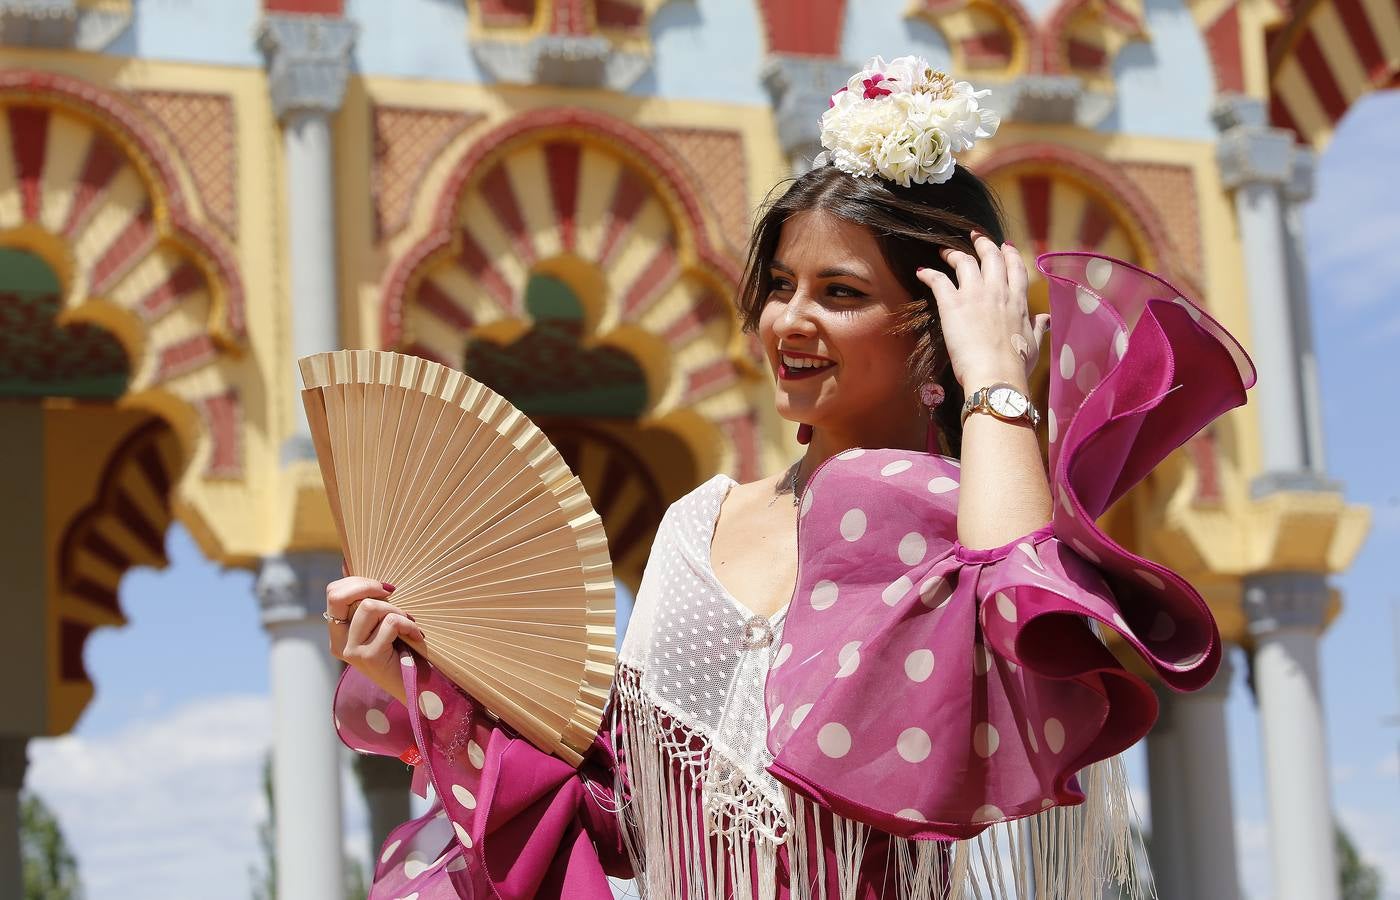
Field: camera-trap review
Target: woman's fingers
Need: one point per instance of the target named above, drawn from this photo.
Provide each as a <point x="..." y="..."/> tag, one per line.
<point x="393" y="626"/>
<point x="964" y="267"/>
<point x="366" y="618"/>
<point x="343" y="594"/>
<point x="990" y="260"/>
<point x="1016" y="276"/>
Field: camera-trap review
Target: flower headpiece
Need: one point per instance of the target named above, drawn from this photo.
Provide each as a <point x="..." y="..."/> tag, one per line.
<point x="903" y="120"/>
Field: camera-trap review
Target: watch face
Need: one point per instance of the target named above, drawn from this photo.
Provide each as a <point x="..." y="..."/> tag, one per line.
<point x="1007" y="402"/>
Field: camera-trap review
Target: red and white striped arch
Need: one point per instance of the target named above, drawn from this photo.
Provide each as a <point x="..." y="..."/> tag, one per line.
<point x="563" y="189"/>
<point x="1326" y="57"/>
<point x="86" y="184"/>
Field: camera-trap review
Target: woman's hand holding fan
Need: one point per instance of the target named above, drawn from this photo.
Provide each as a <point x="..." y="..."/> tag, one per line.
<point x="371" y="626"/>
<point x="440" y="487"/>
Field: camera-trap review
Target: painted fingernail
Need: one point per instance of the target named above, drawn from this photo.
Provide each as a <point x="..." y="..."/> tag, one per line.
<point x="387" y="586"/>
<point x="1011" y="245"/>
<point x="921" y="270"/>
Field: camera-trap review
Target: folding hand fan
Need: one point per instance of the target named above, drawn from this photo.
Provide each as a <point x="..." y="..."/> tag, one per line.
<point x="443" y="489"/>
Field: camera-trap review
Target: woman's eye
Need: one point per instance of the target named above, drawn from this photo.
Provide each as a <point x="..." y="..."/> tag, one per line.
<point x="779" y="284"/>
<point x="841" y="290"/>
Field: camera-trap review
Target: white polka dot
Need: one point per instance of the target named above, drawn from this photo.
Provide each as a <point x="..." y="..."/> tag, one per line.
<point x="414" y="866"/>
<point x="1054" y="735"/>
<point x="1030" y="737"/>
<point x="464" y="796"/>
<point x="799" y="714"/>
<point x="430" y="704"/>
<point x="1047" y="803"/>
<point x="1186" y="305"/>
<point x="476" y="754"/>
<point x="912" y="548"/>
<point x="458" y="864"/>
<point x="1098" y="271"/>
<point x="853" y="524"/>
<point x="462" y="834"/>
<point x="377" y="721"/>
<point x="985" y="739"/>
<point x="853" y="453"/>
<point x="412" y="896"/>
<point x="834" y="740"/>
<point x="776" y="716"/>
<point x="1031" y="554"/>
<point x="911" y="814"/>
<point x="897" y="591"/>
<point x="806" y="502"/>
<point x="407" y="661"/>
<point x="849" y="658"/>
<point x="824" y="594"/>
<point x="783" y="653"/>
<point x="1088" y="302"/>
<point x="389" y="851"/>
<point x="1085" y="551"/>
<point x="894" y="468"/>
<point x="1052" y="426"/>
<point x="1005" y="607"/>
<point x="1065" y="501"/>
<point x="935" y="593"/>
<point x="919" y="665"/>
<point x="1087" y="377"/>
<point x="1120" y="343"/>
<point x="1151" y="578"/>
<point x="1163" y="627"/>
<point x="988" y="813"/>
<point x="981" y="659"/>
<point x="1066" y="362"/>
<point x="942" y="485"/>
<point x="914" y="745"/>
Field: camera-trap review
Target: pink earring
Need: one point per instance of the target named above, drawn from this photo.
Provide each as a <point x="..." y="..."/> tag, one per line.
<point x="804" y="433"/>
<point x="932" y="394"/>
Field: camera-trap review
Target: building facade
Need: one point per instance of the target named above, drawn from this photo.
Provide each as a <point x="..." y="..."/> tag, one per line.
<point x="554" y="196"/>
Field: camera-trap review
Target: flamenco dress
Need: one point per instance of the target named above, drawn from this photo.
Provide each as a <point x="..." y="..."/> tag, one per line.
<point x="923" y="720"/>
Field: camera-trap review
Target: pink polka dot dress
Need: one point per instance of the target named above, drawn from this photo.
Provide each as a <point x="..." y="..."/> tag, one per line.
<point x="922" y="721"/>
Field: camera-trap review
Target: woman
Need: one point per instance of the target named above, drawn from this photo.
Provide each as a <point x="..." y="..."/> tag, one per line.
<point x="878" y="673"/>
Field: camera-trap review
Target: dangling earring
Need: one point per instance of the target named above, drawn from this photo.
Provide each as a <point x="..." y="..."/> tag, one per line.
<point x="932" y="394"/>
<point x="804" y="434"/>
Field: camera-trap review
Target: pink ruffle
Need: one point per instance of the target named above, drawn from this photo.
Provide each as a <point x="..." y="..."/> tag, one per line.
<point x="930" y="690"/>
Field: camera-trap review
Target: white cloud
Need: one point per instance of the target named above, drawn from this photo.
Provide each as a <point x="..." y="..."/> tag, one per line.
<point x="166" y="807"/>
<point x="1373" y="832"/>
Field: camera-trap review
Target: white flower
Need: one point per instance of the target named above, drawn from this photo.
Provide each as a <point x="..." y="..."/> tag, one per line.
<point x="903" y="120"/>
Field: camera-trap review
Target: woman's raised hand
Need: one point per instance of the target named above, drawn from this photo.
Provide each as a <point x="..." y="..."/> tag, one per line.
<point x="363" y="629"/>
<point x="987" y="328"/>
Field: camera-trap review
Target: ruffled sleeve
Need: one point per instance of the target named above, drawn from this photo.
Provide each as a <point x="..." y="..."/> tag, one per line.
<point x="509" y="821"/>
<point x="931" y="690"/>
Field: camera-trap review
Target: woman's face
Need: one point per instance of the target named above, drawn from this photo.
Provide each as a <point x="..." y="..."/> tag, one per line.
<point x="826" y="329"/>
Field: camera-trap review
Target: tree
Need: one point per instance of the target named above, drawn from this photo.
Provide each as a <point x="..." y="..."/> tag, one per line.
<point x="1359" y="880"/>
<point x="50" y="869"/>
<point x="264" y="877"/>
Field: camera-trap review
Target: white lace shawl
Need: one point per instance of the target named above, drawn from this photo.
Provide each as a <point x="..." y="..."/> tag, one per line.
<point x="702" y="817"/>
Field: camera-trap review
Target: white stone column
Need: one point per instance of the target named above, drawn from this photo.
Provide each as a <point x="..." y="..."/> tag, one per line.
<point x="1255" y="162"/>
<point x="1296" y="193"/>
<point x="1286" y="616"/>
<point x="799" y="88"/>
<point x="14" y="759"/>
<point x="1171" y="865"/>
<point x="1209" y="814"/>
<point x="308" y="61"/>
<point x="305" y="750"/>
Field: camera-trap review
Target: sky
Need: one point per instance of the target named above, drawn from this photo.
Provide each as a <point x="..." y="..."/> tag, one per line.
<point x="158" y="788"/>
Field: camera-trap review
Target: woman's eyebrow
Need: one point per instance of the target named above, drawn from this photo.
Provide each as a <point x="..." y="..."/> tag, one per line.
<point x="829" y="272"/>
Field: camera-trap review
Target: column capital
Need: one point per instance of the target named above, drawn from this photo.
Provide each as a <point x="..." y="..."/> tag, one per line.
<point x="1275" y="601"/>
<point x="799" y="89"/>
<point x="14" y="760"/>
<point x="292" y="587"/>
<point x="1255" y="154"/>
<point x="308" y="61"/>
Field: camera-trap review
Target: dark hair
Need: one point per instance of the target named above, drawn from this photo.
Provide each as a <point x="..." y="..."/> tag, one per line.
<point x="911" y="224"/>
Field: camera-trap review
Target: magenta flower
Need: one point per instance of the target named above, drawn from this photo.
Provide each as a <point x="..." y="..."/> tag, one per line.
<point x="873" y="91"/>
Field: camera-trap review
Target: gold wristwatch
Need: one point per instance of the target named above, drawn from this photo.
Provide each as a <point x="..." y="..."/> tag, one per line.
<point x="1004" y="401"/>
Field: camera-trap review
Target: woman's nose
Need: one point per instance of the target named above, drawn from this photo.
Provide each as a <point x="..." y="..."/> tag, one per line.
<point x="797" y="315"/>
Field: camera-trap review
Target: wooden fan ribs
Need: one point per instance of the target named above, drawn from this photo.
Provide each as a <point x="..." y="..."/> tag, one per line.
<point x="459" y="500"/>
